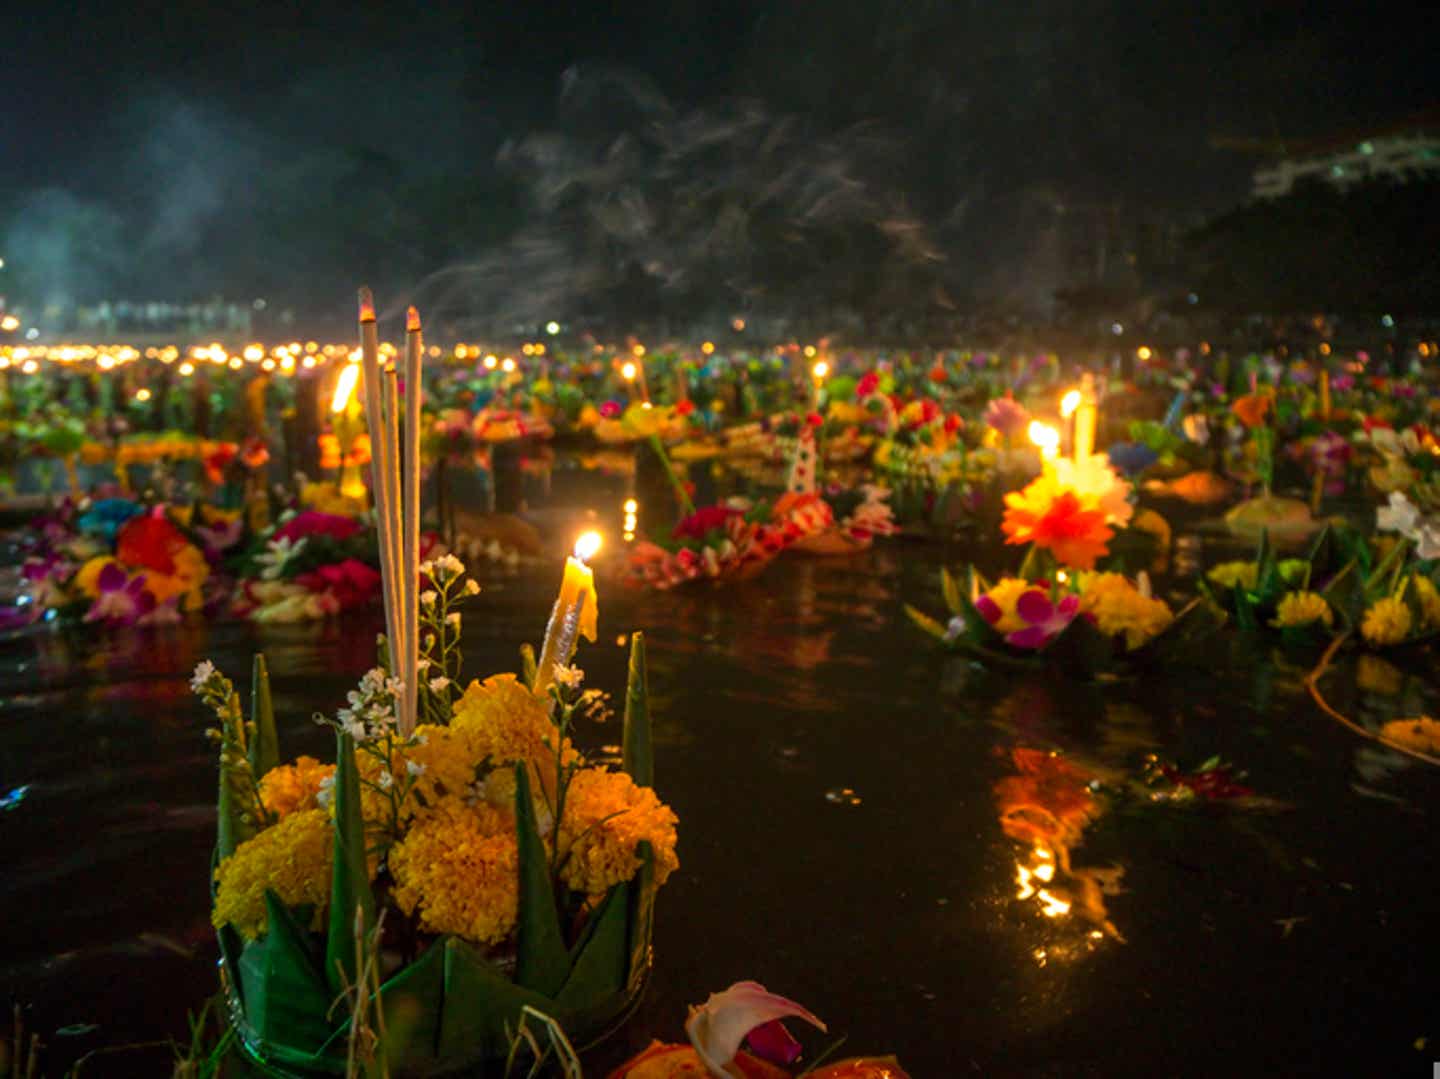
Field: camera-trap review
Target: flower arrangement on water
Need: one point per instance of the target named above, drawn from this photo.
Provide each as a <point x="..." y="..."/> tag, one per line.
<point x="643" y="420"/>
<point x="1082" y="624"/>
<point x="741" y="1032"/>
<point x="726" y="541"/>
<point x="1377" y="590"/>
<point x="309" y="565"/>
<point x="446" y="877"/>
<point x="118" y="562"/>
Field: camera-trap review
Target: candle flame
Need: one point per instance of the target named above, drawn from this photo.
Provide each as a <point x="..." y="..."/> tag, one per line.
<point x="627" y="372"/>
<point x="344" y="387"/>
<point x="1044" y="436"/>
<point x="587" y="545"/>
<point x="1069" y="403"/>
<point x="821" y="369"/>
<point x="412" y="320"/>
<point x="367" y="305"/>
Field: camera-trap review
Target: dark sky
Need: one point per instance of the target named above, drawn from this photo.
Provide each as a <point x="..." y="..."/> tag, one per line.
<point x="154" y="115"/>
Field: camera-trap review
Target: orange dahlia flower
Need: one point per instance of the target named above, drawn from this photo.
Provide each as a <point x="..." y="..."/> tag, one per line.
<point x="1252" y="408"/>
<point x="1057" y="519"/>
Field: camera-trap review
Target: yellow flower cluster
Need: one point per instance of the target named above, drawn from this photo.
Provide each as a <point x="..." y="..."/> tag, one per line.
<point x="503" y="722"/>
<point x="606" y="817"/>
<point x="291" y="788"/>
<point x="1386" y="622"/>
<point x="1234" y="574"/>
<point x="446" y="767"/>
<point x="460" y="866"/>
<point x="292" y="859"/>
<point x="1005" y="593"/>
<point x="1429" y="599"/>
<point x="1119" y="608"/>
<point x="1301" y="608"/>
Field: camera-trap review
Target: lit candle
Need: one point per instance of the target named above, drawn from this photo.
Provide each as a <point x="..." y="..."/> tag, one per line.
<point x="1068" y="404"/>
<point x="1086" y="416"/>
<point x="817" y="380"/>
<point x="1046" y="438"/>
<point x="574" y="615"/>
<point x="1324" y="395"/>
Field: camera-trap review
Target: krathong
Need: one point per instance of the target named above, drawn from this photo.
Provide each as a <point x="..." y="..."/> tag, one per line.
<point x="461" y="861"/>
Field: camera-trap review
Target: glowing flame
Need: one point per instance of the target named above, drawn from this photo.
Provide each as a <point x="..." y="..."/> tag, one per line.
<point x="142" y="394"/>
<point x="367" y="306"/>
<point x="821" y="369"/>
<point x="345" y="387"/>
<point x="708" y="347"/>
<point x="491" y="362"/>
<point x="1046" y="437"/>
<point x="1144" y="352"/>
<point x="412" y="320"/>
<point x="587" y="545"/>
<point x="627" y="372"/>
<point x="631" y="506"/>
<point x="508" y="365"/>
<point x="1069" y="403"/>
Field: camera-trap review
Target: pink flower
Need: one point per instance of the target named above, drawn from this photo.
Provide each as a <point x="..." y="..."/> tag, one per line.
<point x="610" y="410"/>
<point x="351" y="582"/>
<point x="122" y="600"/>
<point x="1045" y="620"/>
<point x="315" y="523"/>
<point x="1007" y="416"/>
<point x="744" y="1011"/>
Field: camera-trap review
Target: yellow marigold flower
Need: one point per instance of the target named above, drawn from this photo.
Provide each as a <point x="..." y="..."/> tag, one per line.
<point x="1386" y="622"/>
<point x="1005" y="594"/>
<point x="504" y="722"/>
<point x="606" y="817"/>
<point x="1121" y="609"/>
<point x="291" y="788"/>
<point x="1234" y="574"/>
<point x="292" y="859"/>
<point x="460" y="866"/>
<point x="1302" y="608"/>
<point x="1429" y="599"/>
<point x="1375" y="675"/>
<point x="441" y="765"/>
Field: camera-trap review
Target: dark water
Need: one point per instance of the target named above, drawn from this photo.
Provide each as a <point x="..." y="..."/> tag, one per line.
<point x="840" y="841"/>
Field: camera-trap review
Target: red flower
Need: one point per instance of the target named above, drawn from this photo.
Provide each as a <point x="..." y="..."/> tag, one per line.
<point x="953" y="423"/>
<point x="703" y="521"/>
<point x="814" y="419"/>
<point x="684" y="408"/>
<point x="255" y="454"/>
<point x="867" y="385"/>
<point x="150" y="542"/>
<point x="314" y="523"/>
<point x="351" y="582"/>
<point x="610" y="410"/>
<point x="938" y="373"/>
<point x="218" y="459"/>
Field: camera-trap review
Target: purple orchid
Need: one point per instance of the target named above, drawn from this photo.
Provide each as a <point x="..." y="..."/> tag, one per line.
<point x="122" y="600"/>
<point x="1045" y="620"/>
<point x="220" y="537"/>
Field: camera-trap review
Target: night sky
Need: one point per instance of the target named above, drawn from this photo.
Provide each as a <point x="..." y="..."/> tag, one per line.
<point x="168" y="130"/>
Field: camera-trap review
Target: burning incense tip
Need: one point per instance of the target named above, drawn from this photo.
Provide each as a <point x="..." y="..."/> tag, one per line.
<point x="367" y="305"/>
<point x="412" y="320"/>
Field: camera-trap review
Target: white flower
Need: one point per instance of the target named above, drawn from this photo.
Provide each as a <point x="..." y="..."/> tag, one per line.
<point x="569" y="677"/>
<point x="386" y="779"/>
<point x="354" y="728"/>
<point x="954" y="629"/>
<point x="438" y="683"/>
<point x="415" y="768"/>
<point x="453" y="618"/>
<point x="326" y="794"/>
<point x="449" y="567"/>
<point x="1427" y="543"/>
<point x="472" y="588"/>
<point x="428" y="597"/>
<point x="277" y="555"/>
<point x="1400" y="516"/>
<point x="204" y="671"/>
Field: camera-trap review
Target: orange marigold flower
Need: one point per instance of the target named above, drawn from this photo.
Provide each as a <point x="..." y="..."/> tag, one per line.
<point x="1252" y="408"/>
<point x="1056" y="519"/>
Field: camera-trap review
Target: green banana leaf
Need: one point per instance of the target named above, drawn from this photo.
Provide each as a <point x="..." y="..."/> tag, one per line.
<point x="350" y="876"/>
<point x="639" y="759"/>
<point x="264" y="741"/>
<point x="542" y="963"/>
<point x="287" y="999"/>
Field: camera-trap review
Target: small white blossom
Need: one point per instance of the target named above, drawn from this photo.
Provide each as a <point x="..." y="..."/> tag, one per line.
<point x="428" y="597"/>
<point x="453" y="618"/>
<point x="438" y="683"/>
<point x="570" y="677"/>
<point x="386" y="779"/>
<point x="447" y="567"/>
<point x="472" y="588"/>
<point x="204" y="671"/>
<point x="326" y="794"/>
<point x="415" y="768"/>
<point x="277" y="555"/>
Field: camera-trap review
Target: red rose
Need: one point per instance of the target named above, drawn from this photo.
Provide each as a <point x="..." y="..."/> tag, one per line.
<point x="314" y="523"/>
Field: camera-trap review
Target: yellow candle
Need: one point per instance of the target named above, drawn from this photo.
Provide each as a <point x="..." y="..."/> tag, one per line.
<point x="574" y="615"/>
<point x="1086" y="416"/>
<point x="1324" y="395"/>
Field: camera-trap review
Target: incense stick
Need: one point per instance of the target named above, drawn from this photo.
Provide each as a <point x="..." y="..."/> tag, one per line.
<point x="379" y="462"/>
<point x="414" y="346"/>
